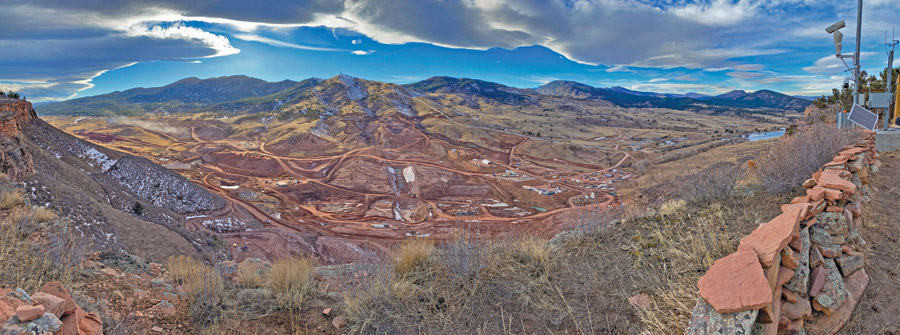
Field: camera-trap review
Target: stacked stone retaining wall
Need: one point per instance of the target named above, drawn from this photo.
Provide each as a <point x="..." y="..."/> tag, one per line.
<point x="803" y="271"/>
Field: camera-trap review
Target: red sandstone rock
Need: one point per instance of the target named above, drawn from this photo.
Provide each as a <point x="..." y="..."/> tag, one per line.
<point x="784" y="275"/>
<point x="817" y="280"/>
<point x="55" y="288"/>
<point x="816" y="193"/>
<point x="736" y="283"/>
<point x="798" y="200"/>
<point x="798" y="310"/>
<point x="770" y="314"/>
<point x="832" y="179"/>
<point x="790" y="296"/>
<point x="52" y="303"/>
<point x="832" y="194"/>
<point x="769" y="238"/>
<point x="830" y="324"/>
<point x="27" y="313"/>
<point x="8" y="305"/>
<point x="789" y="258"/>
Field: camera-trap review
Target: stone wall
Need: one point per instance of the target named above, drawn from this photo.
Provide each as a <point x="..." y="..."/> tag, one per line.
<point x="802" y="272"/>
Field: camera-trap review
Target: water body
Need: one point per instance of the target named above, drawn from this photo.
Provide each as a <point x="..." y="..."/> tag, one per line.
<point x="753" y="137"/>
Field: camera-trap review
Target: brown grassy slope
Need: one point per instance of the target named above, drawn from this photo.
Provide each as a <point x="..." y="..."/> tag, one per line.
<point x="879" y="310"/>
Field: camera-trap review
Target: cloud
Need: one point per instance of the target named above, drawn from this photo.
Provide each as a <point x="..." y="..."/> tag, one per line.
<point x="744" y="74"/>
<point x="619" y="69"/>
<point x="681" y="88"/>
<point x="717" y="12"/>
<point x="686" y="77"/>
<point x="219" y="43"/>
<point x="277" y="43"/>
<point x="91" y="36"/>
<point x="656" y="80"/>
<point x="363" y="52"/>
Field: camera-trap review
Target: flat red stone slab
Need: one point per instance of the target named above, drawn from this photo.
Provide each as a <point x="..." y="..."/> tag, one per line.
<point x="736" y="283"/>
<point x="769" y="238"/>
<point x="833" y="180"/>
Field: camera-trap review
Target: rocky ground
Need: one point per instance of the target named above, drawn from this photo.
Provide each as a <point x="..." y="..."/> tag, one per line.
<point x="878" y="311"/>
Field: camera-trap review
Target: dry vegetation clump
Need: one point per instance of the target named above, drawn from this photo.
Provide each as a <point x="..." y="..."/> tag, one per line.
<point x="292" y="281"/>
<point x="10" y="199"/>
<point x="43" y="214"/>
<point x="512" y="285"/>
<point x="203" y="285"/>
<point x="412" y="255"/>
<point x="715" y="182"/>
<point x="25" y="263"/>
<point x="794" y="158"/>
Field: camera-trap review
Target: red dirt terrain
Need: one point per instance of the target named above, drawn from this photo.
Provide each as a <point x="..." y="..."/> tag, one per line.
<point x="354" y="183"/>
<point x="356" y="204"/>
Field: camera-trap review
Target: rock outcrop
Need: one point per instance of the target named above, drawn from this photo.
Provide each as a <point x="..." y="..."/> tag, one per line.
<point x="806" y="273"/>
<point x="50" y="310"/>
<point x="15" y="161"/>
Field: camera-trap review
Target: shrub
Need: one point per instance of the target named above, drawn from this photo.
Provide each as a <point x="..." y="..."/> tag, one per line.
<point x="793" y="159"/>
<point x="292" y="280"/>
<point x="10" y="199"/>
<point x="412" y="254"/>
<point x="138" y="208"/>
<point x="43" y="215"/>
<point x="203" y="286"/>
<point x="715" y="182"/>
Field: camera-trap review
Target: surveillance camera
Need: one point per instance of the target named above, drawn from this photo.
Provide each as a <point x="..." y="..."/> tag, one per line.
<point x="834" y="27"/>
<point x="846" y="82"/>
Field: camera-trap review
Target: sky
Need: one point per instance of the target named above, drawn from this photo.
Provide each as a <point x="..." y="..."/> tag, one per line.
<point x="61" y="49"/>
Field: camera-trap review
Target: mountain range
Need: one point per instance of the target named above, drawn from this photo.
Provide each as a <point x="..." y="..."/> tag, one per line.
<point x="256" y="95"/>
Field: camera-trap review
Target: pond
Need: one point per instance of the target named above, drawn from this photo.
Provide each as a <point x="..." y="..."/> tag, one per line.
<point x="752" y="137"/>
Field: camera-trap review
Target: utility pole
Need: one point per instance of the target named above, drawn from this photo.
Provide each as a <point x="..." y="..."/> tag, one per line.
<point x="856" y="54"/>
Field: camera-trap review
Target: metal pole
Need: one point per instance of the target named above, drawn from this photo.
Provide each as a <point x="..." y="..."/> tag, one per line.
<point x="887" y="89"/>
<point x="856" y="54"/>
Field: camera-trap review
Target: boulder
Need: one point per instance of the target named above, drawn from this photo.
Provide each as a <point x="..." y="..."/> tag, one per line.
<point x="27" y="313"/>
<point x="736" y="283"/>
<point x="46" y="324"/>
<point x="163" y="308"/>
<point x="706" y="321"/>
<point x="850" y="264"/>
<point x="56" y="289"/>
<point x="51" y="303"/>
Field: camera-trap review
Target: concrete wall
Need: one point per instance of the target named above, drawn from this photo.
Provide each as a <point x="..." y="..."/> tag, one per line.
<point x="802" y="272"/>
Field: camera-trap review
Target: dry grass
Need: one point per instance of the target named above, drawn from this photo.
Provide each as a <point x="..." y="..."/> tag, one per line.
<point x="715" y="182"/>
<point x="10" y="199"/>
<point x="28" y="265"/>
<point x="412" y="254"/>
<point x="672" y="207"/>
<point x="204" y="288"/>
<point x="793" y="159"/>
<point x="292" y="280"/>
<point x="43" y="215"/>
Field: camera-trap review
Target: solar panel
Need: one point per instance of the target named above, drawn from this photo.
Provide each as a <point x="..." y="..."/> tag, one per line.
<point x="863" y="117"/>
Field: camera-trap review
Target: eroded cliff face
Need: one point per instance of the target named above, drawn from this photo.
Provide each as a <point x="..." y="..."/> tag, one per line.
<point x="15" y="161"/>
